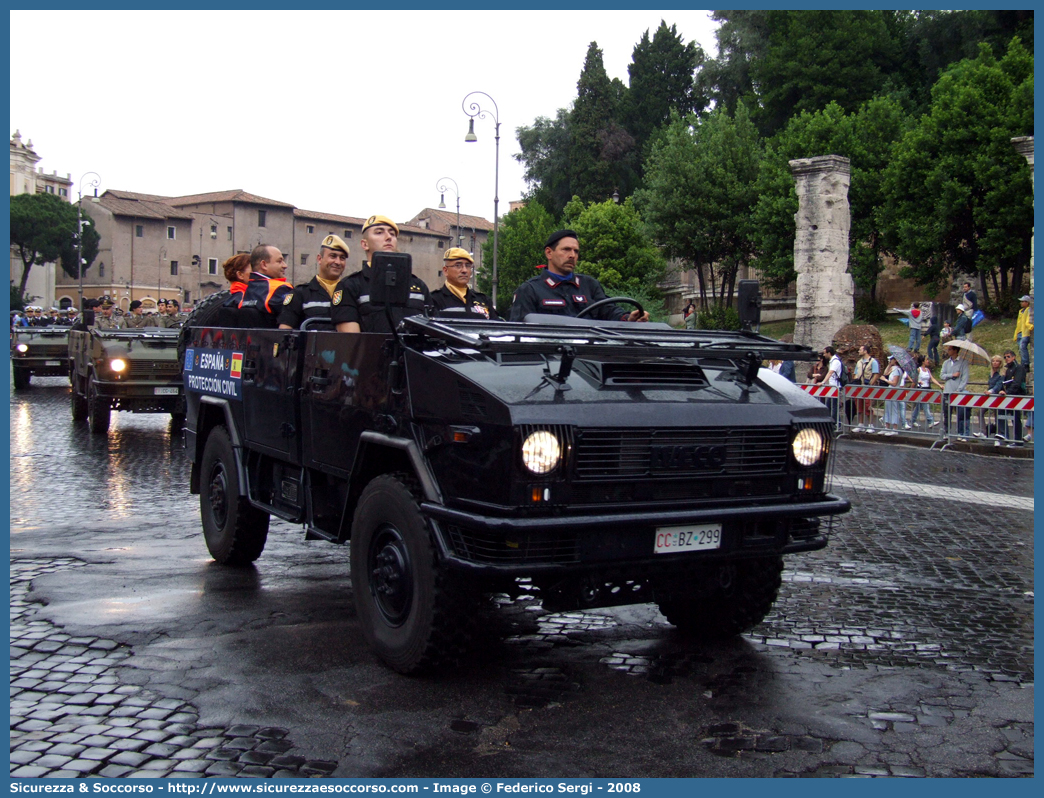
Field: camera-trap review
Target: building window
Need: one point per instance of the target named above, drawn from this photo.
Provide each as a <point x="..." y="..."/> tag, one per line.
<point x="213" y="231"/>
<point x="347" y="233"/>
<point x="188" y="297"/>
<point x="173" y="267"/>
<point x="304" y="260"/>
<point x="211" y="265"/>
<point x="139" y="231"/>
<point x="171" y="233"/>
<point x="261" y="216"/>
<point x="50" y="189"/>
<point x="230" y="234"/>
<point x="310" y="228"/>
<point x="442" y="244"/>
<point x="101" y="269"/>
<point x="62" y="192"/>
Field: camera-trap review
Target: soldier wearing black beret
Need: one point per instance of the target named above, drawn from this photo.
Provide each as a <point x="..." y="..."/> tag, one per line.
<point x="563" y="292"/>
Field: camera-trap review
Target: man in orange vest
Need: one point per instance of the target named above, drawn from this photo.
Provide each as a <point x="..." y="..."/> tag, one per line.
<point x="267" y="288"/>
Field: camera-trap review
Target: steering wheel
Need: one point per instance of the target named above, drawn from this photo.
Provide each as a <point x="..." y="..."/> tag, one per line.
<point x="609" y="301"/>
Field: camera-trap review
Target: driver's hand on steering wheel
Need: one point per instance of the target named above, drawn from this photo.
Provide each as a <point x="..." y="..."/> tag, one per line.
<point x="634" y="316"/>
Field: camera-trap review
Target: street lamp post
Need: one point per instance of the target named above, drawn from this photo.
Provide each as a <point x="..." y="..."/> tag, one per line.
<point x="94" y="182"/>
<point x="442" y="188"/>
<point x="472" y="110"/>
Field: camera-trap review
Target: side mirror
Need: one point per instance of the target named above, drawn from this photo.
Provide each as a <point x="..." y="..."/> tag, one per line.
<point x="390" y="281"/>
<point x="750" y="305"/>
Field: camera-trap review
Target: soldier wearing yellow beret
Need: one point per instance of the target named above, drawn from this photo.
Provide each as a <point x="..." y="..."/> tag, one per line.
<point x="456" y="298"/>
<point x="350" y="306"/>
<point x="312" y="299"/>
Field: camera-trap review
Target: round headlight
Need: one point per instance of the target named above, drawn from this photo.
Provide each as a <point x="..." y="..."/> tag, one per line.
<point x="807" y="446"/>
<point x="541" y="452"/>
<point x="116" y="364"/>
<point x="23" y="348"/>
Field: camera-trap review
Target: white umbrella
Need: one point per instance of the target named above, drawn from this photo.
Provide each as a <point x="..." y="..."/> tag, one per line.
<point x="971" y="352"/>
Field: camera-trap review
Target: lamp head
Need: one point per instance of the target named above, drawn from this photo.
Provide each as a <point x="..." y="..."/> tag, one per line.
<point x="471" y="131"/>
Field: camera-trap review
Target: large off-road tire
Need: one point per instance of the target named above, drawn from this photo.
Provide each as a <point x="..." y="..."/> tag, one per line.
<point x="99" y="409"/>
<point x="742" y="598"/>
<point x="21" y="377"/>
<point x="235" y="531"/>
<point x="78" y="402"/>
<point x="202" y="315"/>
<point x="413" y="614"/>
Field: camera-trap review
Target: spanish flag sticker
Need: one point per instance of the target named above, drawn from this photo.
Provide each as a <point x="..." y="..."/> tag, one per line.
<point x="237" y="365"/>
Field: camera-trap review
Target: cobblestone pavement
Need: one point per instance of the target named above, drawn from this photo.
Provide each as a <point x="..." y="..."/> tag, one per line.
<point x="71" y="717"/>
<point x="905" y="648"/>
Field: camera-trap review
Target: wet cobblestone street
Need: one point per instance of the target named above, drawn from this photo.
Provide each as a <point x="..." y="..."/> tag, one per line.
<point x="903" y="649"/>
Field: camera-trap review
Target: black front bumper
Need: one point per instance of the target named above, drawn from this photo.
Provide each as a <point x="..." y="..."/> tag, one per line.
<point x="517" y="546"/>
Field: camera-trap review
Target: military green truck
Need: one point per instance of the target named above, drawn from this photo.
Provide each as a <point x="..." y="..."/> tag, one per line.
<point x="135" y="370"/>
<point x="40" y="352"/>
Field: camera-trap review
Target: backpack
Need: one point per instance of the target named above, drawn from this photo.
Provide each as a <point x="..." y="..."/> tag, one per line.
<point x="842" y="377"/>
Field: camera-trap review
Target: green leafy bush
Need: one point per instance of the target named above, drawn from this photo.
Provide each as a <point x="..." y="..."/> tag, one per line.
<point x="869" y="310"/>
<point x="718" y="317"/>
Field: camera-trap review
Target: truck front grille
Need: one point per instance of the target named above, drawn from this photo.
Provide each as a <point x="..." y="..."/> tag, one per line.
<point x="154" y="370"/>
<point x="622" y="453"/>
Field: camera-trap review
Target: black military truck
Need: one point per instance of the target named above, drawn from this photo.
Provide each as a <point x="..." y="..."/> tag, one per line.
<point x="132" y="369"/>
<point x="606" y="463"/>
<point x="40" y="352"/>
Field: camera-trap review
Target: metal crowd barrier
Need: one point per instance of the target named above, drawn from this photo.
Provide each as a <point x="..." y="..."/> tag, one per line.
<point x="976" y="418"/>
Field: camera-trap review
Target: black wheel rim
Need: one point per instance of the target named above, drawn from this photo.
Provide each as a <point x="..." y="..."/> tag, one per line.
<point x="219" y="494"/>
<point x="391" y="575"/>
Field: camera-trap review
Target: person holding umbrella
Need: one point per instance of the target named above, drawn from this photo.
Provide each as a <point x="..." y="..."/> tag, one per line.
<point x="954" y="374"/>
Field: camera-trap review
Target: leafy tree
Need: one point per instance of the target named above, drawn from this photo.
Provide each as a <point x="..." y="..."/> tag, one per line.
<point x="43" y="229"/>
<point x="866" y="138"/>
<point x="615" y="248"/>
<point x="817" y="57"/>
<point x="701" y="188"/>
<point x="545" y="155"/>
<point x="661" y="78"/>
<point x="958" y="197"/>
<point x="742" y="40"/>
<point x="601" y="151"/>
<point x="521" y="249"/>
<point x="18" y="300"/>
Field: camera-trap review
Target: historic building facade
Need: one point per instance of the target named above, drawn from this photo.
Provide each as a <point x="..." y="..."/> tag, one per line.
<point x="27" y="178"/>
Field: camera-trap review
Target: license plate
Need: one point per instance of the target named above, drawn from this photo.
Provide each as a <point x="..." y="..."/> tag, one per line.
<point x="693" y="537"/>
<point x="52" y="362"/>
<point x="165" y="391"/>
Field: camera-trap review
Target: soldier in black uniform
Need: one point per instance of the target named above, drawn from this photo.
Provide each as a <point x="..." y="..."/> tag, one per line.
<point x="563" y="292"/>
<point x="456" y="298"/>
<point x="312" y="299"/>
<point x="351" y="309"/>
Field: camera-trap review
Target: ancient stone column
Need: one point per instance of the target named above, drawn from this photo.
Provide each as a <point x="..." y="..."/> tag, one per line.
<point x="1024" y="146"/>
<point x="824" y="286"/>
